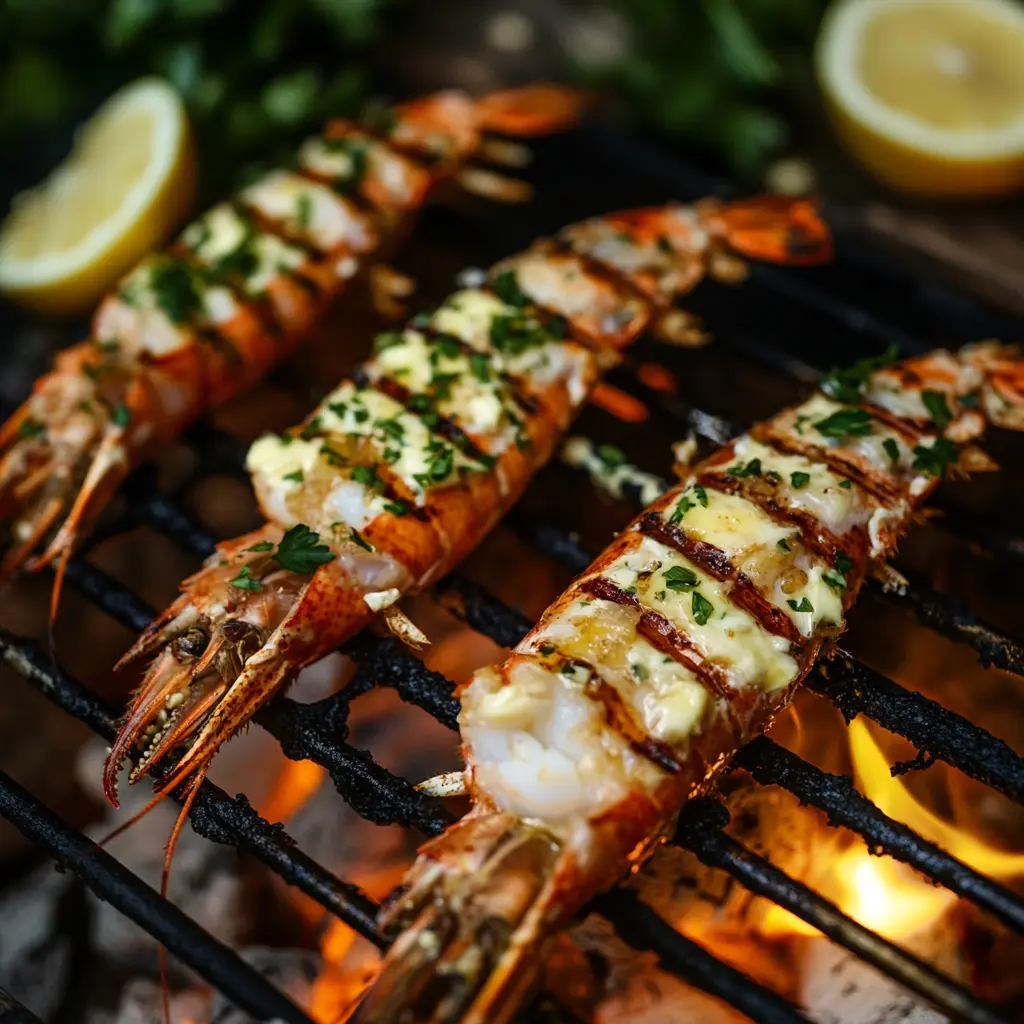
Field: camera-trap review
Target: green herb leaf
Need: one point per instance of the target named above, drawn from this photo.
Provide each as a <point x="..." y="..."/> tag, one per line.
<point x="480" y="366"/>
<point x="30" y="427"/>
<point x="682" y="507"/>
<point x="846" y="484"/>
<point x="357" y="538"/>
<point x="174" y="288"/>
<point x="844" y="563"/>
<point x="701" y="495"/>
<point x="803" y="605"/>
<point x="938" y="408"/>
<point x="836" y="580"/>
<point x="799" y="480"/>
<point x="892" y="449"/>
<point x="702" y="608"/>
<point x="263" y="545"/>
<point x="679" y="578"/>
<point x="783" y="544"/>
<point x="506" y="286"/>
<point x="296" y="476"/>
<point x="933" y="460"/>
<point x="640" y="671"/>
<point x="300" y="550"/>
<point x="397" y="508"/>
<point x="120" y="416"/>
<point x="245" y="580"/>
<point x="367" y="475"/>
<point x="611" y="456"/>
<point x="847" y="384"/>
<point x="304" y="210"/>
<point x="852" y="422"/>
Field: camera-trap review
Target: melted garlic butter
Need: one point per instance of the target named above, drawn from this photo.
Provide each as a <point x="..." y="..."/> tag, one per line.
<point x="751" y="539"/>
<point x="730" y="637"/>
<point x="222" y="232"/>
<point x="666" y="697"/>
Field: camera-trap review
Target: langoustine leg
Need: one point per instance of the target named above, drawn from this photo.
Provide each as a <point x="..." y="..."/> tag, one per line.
<point x="678" y="644"/>
<point x="195" y="325"/>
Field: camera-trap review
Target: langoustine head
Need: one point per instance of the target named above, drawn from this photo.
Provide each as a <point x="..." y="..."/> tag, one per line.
<point x="64" y="452"/>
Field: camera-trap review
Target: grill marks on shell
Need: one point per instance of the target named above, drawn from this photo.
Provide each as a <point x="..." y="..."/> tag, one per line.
<point x="742" y="592"/>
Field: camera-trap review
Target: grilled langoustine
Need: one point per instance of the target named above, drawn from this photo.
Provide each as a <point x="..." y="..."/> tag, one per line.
<point x="407" y="464"/>
<point x="676" y="646"/>
<point x="192" y="327"/>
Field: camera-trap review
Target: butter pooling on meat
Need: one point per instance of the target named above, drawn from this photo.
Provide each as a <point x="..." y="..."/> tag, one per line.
<point x="676" y="646"/>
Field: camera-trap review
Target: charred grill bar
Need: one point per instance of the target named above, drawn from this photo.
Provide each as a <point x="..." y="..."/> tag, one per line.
<point x="318" y="732"/>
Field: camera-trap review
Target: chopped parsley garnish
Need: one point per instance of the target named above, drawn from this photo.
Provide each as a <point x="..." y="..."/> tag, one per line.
<point x="439" y="468"/>
<point x="357" y="538"/>
<point x="892" y="449"/>
<point x="682" y="507"/>
<point x="842" y="423"/>
<point x="310" y="429"/>
<point x="836" y="580"/>
<point x="391" y="428"/>
<point x="546" y="649"/>
<point x="358" y="156"/>
<point x="29" y="427"/>
<point x="702" y="608"/>
<point x="847" y="384"/>
<point x="611" y="456"/>
<point x="300" y="550"/>
<point x="506" y="287"/>
<point x="752" y="468"/>
<point x="296" y="476"/>
<point x="446" y="346"/>
<point x="174" y="289"/>
<point x="701" y="495"/>
<point x="935" y="459"/>
<point x="391" y="455"/>
<point x="799" y="480"/>
<point x="338" y="408"/>
<point x="304" y="210"/>
<point x="441" y="384"/>
<point x="397" y="508"/>
<point x="938" y="408"/>
<point x="772" y="475"/>
<point x="514" y="333"/>
<point x="367" y="475"/>
<point x="783" y="544"/>
<point x="803" y="605"/>
<point x="844" y="563"/>
<point x="798" y="423"/>
<point x="361" y="414"/>
<point x="679" y="578"/>
<point x="640" y="671"/>
<point x="480" y="366"/>
<point x="108" y="345"/>
<point x="333" y="457"/>
<point x="389" y="339"/>
<point x="120" y="416"/>
<point x="245" y="580"/>
<point x="846" y="484"/>
<point x="661" y="595"/>
<point x="242" y="260"/>
<point x="264" y="545"/>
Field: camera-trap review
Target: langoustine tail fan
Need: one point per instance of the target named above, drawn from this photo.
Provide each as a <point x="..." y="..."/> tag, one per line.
<point x="192" y="327"/>
<point x="407" y="465"/>
<point x="677" y="645"/>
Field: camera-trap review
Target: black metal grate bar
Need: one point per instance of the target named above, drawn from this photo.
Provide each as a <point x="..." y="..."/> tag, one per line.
<point x="700" y="830"/>
<point x="643" y="929"/>
<point x="857" y="689"/>
<point x="110" y="880"/>
<point x="221" y="819"/>
<point x="771" y="764"/>
<point x="12" y="1012"/>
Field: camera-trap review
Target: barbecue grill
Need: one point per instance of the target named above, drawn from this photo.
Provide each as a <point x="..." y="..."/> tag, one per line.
<point x="790" y="322"/>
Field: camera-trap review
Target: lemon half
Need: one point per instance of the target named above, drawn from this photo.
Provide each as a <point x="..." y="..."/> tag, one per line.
<point x="928" y="94"/>
<point x="129" y="181"/>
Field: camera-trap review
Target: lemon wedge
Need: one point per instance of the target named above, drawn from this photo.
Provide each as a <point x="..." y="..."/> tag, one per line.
<point x="129" y="181"/>
<point x="928" y="94"/>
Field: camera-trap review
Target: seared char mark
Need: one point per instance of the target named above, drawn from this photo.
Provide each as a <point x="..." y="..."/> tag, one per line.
<point x="661" y="633"/>
<point x="621" y="720"/>
<point x="716" y="563"/>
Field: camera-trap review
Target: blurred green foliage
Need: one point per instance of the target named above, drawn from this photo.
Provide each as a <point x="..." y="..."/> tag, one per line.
<point x="715" y="72"/>
<point x="255" y="73"/>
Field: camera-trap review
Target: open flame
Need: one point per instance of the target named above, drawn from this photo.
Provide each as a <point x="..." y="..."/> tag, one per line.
<point x="877" y="891"/>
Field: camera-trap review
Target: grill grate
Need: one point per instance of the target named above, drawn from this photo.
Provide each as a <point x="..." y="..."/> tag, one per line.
<point x="799" y="305"/>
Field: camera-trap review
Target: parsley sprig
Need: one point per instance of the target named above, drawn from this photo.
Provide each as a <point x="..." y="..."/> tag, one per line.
<point x="846" y="384"/>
